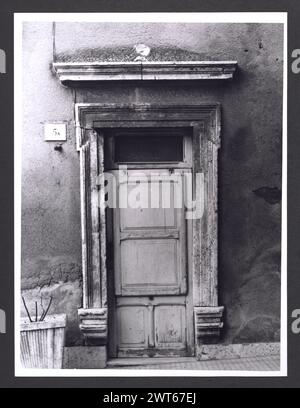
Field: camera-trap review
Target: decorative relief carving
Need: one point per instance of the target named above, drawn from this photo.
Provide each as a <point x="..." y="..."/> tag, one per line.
<point x="208" y="323"/>
<point x="93" y="325"/>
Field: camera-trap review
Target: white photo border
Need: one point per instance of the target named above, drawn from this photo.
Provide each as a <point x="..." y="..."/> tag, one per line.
<point x="233" y="17"/>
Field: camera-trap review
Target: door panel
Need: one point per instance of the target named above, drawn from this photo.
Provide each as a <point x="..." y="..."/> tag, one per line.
<point x="150" y="269"/>
<point x="132" y="324"/>
<point x="170" y="326"/>
<point x="149" y="266"/>
<point x="153" y="328"/>
<point x="150" y="244"/>
<point x="147" y="218"/>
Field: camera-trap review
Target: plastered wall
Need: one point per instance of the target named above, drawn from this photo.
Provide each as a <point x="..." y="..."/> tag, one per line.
<point x="249" y="170"/>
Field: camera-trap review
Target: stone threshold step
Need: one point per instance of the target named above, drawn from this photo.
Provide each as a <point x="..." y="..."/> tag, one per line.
<point x="138" y="361"/>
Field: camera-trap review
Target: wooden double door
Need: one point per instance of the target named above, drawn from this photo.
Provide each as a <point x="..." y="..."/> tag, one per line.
<point x="150" y="310"/>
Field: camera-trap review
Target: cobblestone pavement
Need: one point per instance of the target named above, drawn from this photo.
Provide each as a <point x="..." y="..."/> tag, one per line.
<point x="269" y="363"/>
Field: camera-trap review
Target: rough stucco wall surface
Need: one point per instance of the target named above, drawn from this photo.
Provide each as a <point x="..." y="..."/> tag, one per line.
<point x="51" y="244"/>
<point x="250" y="157"/>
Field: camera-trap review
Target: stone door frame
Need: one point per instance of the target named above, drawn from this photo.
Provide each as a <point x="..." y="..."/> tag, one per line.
<point x="205" y="121"/>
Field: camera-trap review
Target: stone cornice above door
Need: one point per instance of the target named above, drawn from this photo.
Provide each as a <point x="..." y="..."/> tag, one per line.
<point x="76" y="72"/>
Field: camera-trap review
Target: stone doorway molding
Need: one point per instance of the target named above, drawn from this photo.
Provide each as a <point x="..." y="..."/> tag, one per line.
<point x="205" y="122"/>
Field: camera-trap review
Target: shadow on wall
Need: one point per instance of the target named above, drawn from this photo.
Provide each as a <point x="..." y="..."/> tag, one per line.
<point x="253" y="311"/>
<point x="250" y="239"/>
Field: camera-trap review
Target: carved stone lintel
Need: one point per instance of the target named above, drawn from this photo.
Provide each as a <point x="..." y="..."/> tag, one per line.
<point x="93" y="325"/>
<point x="208" y="324"/>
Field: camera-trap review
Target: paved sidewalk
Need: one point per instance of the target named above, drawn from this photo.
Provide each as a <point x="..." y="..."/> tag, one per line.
<point x="269" y="363"/>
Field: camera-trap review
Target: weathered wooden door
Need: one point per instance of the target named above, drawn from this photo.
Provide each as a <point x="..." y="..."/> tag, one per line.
<point x="152" y="313"/>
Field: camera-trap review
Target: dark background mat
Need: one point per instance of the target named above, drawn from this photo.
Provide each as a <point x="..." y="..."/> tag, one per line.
<point x="7" y="8"/>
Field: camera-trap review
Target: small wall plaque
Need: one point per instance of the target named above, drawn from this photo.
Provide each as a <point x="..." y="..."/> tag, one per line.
<point x="55" y="132"/>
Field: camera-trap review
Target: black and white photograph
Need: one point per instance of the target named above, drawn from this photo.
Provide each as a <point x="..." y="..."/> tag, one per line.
<point x="150" y="191"/>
